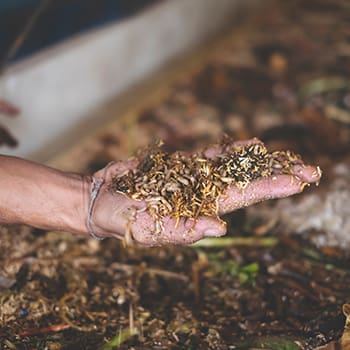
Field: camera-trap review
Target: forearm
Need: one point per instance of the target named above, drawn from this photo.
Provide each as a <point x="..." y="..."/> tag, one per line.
<point x="42" y="197"/>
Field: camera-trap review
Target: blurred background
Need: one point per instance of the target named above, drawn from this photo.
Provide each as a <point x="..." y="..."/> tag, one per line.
<point x="54" y="21"/>
<point x="61" y="60"/>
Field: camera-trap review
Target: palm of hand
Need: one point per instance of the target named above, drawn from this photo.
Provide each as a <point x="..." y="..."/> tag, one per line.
<point x="116" y="215"/>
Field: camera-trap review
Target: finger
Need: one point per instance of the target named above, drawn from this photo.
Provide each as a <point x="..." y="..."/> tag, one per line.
<point x="278" y="186"/>
<point x="185" y="232"/>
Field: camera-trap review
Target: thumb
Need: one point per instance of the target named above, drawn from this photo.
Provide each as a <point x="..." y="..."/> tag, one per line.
<point x="210" y="227"/>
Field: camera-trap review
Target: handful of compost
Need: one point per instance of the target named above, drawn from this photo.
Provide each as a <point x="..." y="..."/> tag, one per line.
<point x="180" y="186"/>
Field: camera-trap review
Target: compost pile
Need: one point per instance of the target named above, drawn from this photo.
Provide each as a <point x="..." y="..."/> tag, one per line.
<point x="282" y="77"/>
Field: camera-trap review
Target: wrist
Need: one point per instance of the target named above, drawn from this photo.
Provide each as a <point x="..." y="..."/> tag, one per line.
<point x="67" y="205"/>
<point x="42" y="197"/>
<point x="76" y="213"/>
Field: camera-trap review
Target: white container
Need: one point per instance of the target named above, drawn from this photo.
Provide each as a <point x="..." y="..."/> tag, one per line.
<point x="58" y="88"/>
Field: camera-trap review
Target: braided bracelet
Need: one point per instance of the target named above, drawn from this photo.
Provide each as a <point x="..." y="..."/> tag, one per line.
<point x="95" y="188"/>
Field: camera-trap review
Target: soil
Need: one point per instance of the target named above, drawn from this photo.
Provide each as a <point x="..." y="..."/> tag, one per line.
<point x="282" y="77"/>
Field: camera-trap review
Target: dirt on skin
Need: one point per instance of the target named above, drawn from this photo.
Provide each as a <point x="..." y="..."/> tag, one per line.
<point x="281" y="78"/>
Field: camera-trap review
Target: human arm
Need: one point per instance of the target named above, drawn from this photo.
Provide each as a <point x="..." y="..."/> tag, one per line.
<point x="140" y="224"/>
<point x="42" y="197"/>
<point x="47" y="198"/>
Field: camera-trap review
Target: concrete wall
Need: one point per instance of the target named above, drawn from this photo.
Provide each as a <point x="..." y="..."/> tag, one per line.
<point x="57" y="88"/>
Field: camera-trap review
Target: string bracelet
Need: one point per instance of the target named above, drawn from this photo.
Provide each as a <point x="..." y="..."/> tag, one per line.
<point x="95" y="188"/>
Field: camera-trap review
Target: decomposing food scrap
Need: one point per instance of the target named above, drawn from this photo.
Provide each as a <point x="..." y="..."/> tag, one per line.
<point x="182" y="186"/>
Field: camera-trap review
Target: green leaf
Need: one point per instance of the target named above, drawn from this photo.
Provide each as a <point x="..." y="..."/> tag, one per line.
<point x="120" y="338"/>
<point x="246" y="274"/>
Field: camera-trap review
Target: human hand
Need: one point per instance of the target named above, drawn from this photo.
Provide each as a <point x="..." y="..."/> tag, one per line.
<point x="116" y="215"/>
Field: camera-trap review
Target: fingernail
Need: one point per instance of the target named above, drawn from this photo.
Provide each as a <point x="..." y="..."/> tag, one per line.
<point x="211" y="233"/>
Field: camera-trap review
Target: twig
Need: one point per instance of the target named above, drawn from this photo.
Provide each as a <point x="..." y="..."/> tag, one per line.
<point x="22" y="36"/>
<point x="45" y="330"/>
<point x="150" y="271"/>
<point x="236" y="241"/>
<point x="338" y="114"/>
<point x="64" y="308"/>
<point x="322" y="85"/>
